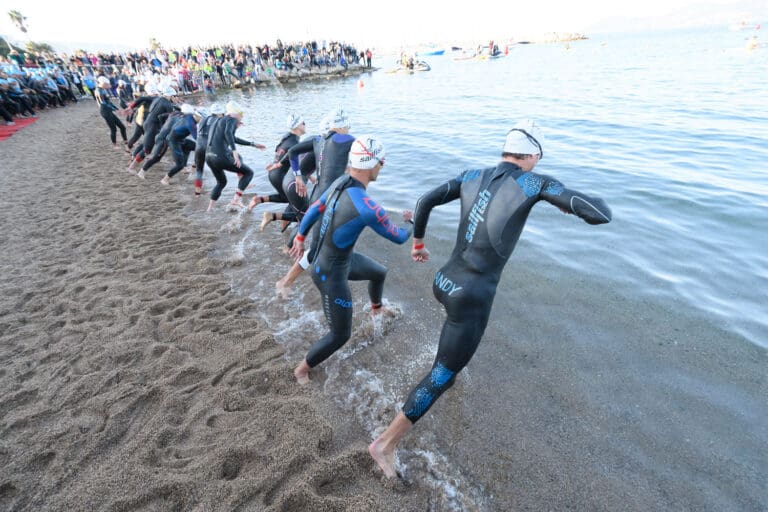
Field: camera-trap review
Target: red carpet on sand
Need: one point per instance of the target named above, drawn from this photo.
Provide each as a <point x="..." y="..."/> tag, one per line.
<point x="7" y="131"/>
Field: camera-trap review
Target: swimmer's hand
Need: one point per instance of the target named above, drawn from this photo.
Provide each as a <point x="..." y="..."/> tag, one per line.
<point x="236" y="158"/>
<point x="258" y="146"/>
<point x="297" y="250"/>
<point x="419" y="253"/>
<point x="407" y="215"/>
<point x="312" y="178"/>
<point x="272" y="167"/>
<point x="301" y="188"/>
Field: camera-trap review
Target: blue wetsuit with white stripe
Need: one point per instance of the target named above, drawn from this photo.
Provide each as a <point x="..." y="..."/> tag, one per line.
<point x="495" y="204"/>
<point x="344" y="210"/>
<point x="180" y="145"/>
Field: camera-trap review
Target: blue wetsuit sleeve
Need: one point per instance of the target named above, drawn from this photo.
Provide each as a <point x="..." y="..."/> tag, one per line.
<point x="592" y="209"/>
<point x="314" y="212"/>
<point x="376" y="218"/>
<point x="445" y="193"/>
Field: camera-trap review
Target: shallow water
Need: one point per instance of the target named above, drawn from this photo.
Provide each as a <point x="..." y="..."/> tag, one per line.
<point x="598" y="336"/>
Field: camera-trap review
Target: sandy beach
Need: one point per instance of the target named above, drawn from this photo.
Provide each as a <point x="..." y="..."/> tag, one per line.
<point x="131" y="377"/>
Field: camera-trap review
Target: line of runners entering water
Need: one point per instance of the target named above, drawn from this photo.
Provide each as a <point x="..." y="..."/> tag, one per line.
<point x="330" y="216"/>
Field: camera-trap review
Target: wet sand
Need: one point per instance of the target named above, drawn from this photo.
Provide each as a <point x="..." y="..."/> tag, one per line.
<point x="131" y="376"/>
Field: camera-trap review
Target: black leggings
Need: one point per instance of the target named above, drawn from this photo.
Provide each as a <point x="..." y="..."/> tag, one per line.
<point x="468" y="308"/>
<point x="150" y="132"/>
<point x="157" y="153"/>
<point x="337" y="301"/>
<point x="5" y="114"/>
<point x="218" y="166"/>
<point x="24" y="104"/>
<point x="138" y="131"/>
<point x="114" y="124"/>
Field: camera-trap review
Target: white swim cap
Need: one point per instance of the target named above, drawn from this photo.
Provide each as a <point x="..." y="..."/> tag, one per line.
<point x="102" y="80"/>
<point x="169" y="91"/>
<point x="366" y="152"/>
<point x="294" y="121"/>
<point x="217" y="109"/>
<point x="234" y="108"/>
<point x="186" y="108"/>
<point x="524" y="139"/>
<point x="338" y="118"/>
<point x="325" y="125"/>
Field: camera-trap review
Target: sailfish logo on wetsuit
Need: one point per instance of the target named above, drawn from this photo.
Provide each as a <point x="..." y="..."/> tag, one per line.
<point x="476" y="213"/>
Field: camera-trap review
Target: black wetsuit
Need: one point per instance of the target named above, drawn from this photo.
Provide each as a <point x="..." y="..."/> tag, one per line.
<point x="180" y="145"/>
<point x="201" y="143"/>
<point x="302" y="158"/>
<point x="107" y="111"/>
<point x="276" y="175"/>
<point x="346" y="209"/>
<point x="139" y="116"/>
<point x="218" y="155"/>
<point x="152" y="121"/>
<point x="331" y="155"/>
<point x="495" y="204"/>
<point x="161" y="139"/>
<point x="297" y="205"/>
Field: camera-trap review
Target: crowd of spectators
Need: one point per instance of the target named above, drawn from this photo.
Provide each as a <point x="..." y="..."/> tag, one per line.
<point x="33" y="81"/>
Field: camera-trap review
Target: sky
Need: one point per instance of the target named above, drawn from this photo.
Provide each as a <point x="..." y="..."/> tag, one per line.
<point x="389" y="23"/>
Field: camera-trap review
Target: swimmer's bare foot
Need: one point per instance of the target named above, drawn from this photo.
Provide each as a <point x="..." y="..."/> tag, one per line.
<point x="236" y="201"/>
<point x="211" y="205"/>
<point x="302" y="373"/>
<point x="381" y="312"/>
<point x="166" y="180"/>
<point x="253" y="203"/>
<point x="382" y="449"/>
<point x="141" y="174"/>
<point x="131" y="170"/>
<point x="385" y="459"/>
<point x="265" y="219"/>
<point x="187" y="170"/>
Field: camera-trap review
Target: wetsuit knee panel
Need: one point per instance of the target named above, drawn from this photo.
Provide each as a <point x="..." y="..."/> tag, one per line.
<point x="423" y="396"/>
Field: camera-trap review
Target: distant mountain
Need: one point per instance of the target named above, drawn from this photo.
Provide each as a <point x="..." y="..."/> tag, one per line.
<point x="703" y="14"/>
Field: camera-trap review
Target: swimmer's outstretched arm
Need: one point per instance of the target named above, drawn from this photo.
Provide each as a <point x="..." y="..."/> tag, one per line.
<point x="592" y="209"/>
<point x="443" y="194"/>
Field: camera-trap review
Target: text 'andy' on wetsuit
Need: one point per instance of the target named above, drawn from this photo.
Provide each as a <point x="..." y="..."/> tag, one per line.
<point x="344" y="210"/>
<point x="495" y="203"/>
